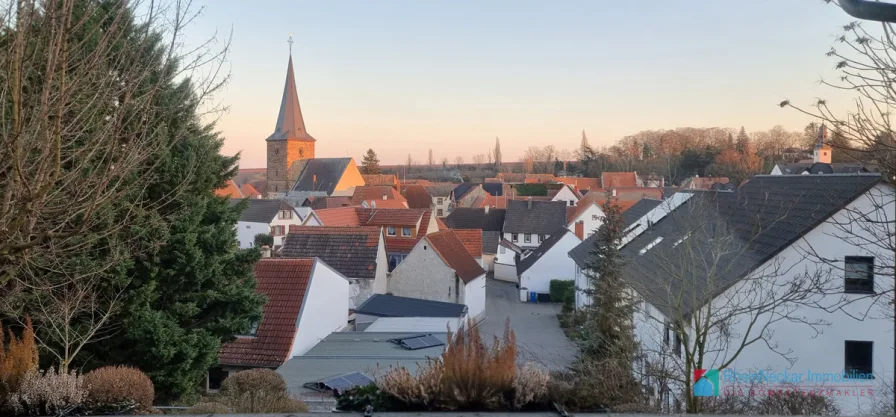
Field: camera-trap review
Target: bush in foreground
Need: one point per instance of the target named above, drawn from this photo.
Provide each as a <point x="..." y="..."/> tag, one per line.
<point x="118" y="389"/>
<point x="43" y="393"/>
<point x="256" y="391"/>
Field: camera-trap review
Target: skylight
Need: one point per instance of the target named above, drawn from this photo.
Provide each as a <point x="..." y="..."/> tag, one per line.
<point x="418" y="342"/>
<point x="340" y="383"/>
<point x="650" y="245"/>
<point x="677" y="242"/>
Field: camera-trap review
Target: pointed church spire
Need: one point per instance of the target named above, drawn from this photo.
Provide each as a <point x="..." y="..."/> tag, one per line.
<point x="290" y="124"/>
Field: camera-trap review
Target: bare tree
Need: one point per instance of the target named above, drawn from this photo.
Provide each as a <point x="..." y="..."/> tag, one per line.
<point x="79" y="138"/>
<point x="478" y="159"/>
<point x="430" y="161"/>
<point x="490" y="156"/>
<point x="444" y="163"/>
<point x="498" y="155"/>
<point x="700" y="309"/>
<point x="459" y="160"/>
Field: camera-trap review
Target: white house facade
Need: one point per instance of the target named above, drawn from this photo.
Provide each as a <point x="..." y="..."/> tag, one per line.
<point x="567" y="195"/>
<point x="265" y="217"/>
<point x="549" y="262"/>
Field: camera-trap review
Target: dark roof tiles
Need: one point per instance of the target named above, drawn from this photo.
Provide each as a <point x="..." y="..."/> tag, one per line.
<point x="543" y="217"/>
<point x="350" y="250"/>
<point x="384" y="305"/>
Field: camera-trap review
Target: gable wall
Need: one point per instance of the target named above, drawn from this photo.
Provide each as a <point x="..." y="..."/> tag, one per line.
<point x="325" y="309"/>
<point x="423" y="274"/>
<point x="351" y="178"/>
<point x="555" y="264"/>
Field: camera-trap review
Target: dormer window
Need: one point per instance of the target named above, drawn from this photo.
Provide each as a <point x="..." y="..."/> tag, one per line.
<point x="406" y="232"/>
<point x="391" y="231"/>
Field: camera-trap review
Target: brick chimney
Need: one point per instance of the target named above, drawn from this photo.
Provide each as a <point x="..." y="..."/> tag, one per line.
<point x="580" y="229"/>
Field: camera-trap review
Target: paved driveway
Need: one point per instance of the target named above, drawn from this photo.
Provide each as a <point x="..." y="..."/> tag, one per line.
<point x="538" y="335"/>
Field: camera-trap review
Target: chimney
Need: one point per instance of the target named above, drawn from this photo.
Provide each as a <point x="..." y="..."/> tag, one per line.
<point x="580" y="229"/>
<point x="614" y="192"/>
<point x="529" y="199"/>
<point x="384" y="196"/>
<point x="265" y="251"/>
<point x="486" y="208"/>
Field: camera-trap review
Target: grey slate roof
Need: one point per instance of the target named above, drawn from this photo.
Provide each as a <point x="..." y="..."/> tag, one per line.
<point x="384" y="305"/>
<point x="544" y="218"/>
<point x="638" y="210"/>
<point x="494" y="188"/>
<point x="344" y="352"/>
<point x="764" y="216"/>
<point x="476" y="218"/>
<point x="351" y="251"/>
<point x="320" y="174"/>
<point x="542" y="249"/>
<point x="260" y="210"/>
<point x="490" y="242"/>
<point x="462" y="189"/>
<point x="439" y="190"/>
<point x="821" y="168"/>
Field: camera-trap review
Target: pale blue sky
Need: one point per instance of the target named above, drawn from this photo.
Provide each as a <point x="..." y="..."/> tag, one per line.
<point x="404" y="76"/>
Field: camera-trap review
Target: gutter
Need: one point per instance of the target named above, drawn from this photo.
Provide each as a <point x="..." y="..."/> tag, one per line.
<point x="870" y="10"/>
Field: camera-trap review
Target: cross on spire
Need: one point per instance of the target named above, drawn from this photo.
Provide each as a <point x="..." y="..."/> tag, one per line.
<point x="290" y="44"/>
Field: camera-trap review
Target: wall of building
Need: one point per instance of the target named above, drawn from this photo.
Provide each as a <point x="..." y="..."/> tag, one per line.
<point x="324" y="310"/>
<point x="555" y="264"/>
<point x="488" y="262"/>
<point x="474" y="298"/>
<point x="246" y="231"/>
<point x="505" y="265"/>
<point x="591" y="219"/>
<point x="351" y="178"/>
<point x="521" y="240"/>
<point x="437" y="283"/>
<point x="276" y="221"/>
<point x="445" y="206"/>
<point x="567" y="195"/>
<point x="862" y="319"/>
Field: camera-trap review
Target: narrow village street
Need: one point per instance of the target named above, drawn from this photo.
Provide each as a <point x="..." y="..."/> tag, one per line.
<point x="538" y="334"/>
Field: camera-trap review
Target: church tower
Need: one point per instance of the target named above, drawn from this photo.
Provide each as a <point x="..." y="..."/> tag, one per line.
<point x="290" y="142"/>
<point x="822" y="152"/>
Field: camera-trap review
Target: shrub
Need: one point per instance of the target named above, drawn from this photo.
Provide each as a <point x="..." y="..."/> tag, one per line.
<point x="118" y="389"/>
<point x="596" y="386"/>
<point x="48" y="393"/>
<point x="530" y="387"/>
<point x="475" y="375"/>
<point x="258" y="391"/>
<point x="17" y="358"/>
<point x="563" y="291"/>
<point x="796" y="402"/>
<point x="209" y="408"/>
<point x="421" y="392"/>
<point x="358" y="398"/>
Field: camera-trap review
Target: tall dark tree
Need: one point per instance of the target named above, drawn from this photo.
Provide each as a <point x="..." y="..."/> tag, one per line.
<point x="370" y="163"/>
<point x="608" y="327"/>
<point x="497" y="155"/>
<point x="743" y="141"/>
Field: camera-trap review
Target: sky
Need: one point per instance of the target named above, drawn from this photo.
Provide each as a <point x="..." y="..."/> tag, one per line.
<point x="404" y="76"/>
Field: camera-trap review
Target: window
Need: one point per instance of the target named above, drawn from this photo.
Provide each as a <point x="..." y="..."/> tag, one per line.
<point x="285" y="215"/>
<point x="215" y="377"/>
<point x="527" y="238"/>
<point x="858" y="359"/>
<point x="666" y="332"/>
<point x="650" y="245"/>
<point x="440" y="201"/>
<point x="391" y="231"/>
<point x="406" y="231"/>
<point x="449" y="291"/>
<point x="439" y="213"/>
<point x="278" y="230"/>
<point x="514" y="237"/>
<point x="570" y="203"/>
<point x="503" y="250"/>
<point x="593" y="217"/>
<point x="859" y="275"/>
<point x="541" y="238"/>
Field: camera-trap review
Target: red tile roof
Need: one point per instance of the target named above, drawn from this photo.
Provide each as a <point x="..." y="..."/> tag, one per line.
<point x="581" y="183"/>
<point x="472" y="240"/>
<point x="493" y="202"/>
<point x="381" y="179"/>
<point x="229" y="189"/>
<point x="391" y="204"/>
<point x="320" y="203"/>
<point x="455" y="254"/>
<point x="249" y="191"/>
<point x="418" y="197"/>
<point x="418" y="181"/>
<point x="619" y="179"/>
<point x="375" y="192"/>
<point x="283" y="282"/>
<point x="343" y="216"/>
<point x="395" y="217"/>
<point x="424" y="222"/>
<point x="440" y="224"/>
